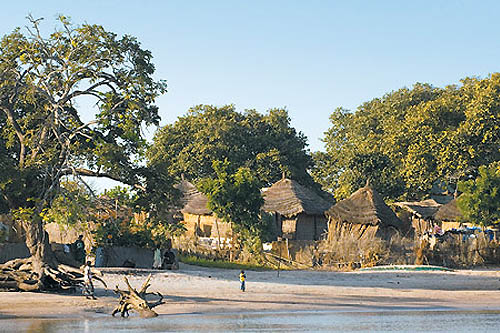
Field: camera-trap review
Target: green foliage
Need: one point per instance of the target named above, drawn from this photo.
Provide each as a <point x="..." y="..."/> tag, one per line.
<point x="120" y="221"/>
<point x="72" y="103"/>
<point x="410" y="139"/>
<point x="266" y="144"/>
<point x="119" y="232"/>
<point x="235" y="197"/>
<point x="116" y="223"/>
<point x="122" y="194"/>
<point x="23" y="214"/>
<point x="480" y="198"/>
<point x="70" y="206"/>
<point x="162" y="233"/>
<point x="160" y="197"/>
<point x="373" y="167"/>
<point x="127" y="231"/>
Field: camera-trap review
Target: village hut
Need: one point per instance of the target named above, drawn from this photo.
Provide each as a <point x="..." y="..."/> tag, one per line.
<point x="198" y="219"/>
<point x="363" y="214"/>
<point x="298" y="212"/>
<point x="192" y="200"/>
<point x="449" y="215"/>
<point x="419" y="214"/>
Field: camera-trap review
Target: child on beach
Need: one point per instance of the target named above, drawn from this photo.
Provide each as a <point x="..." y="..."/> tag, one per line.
<point x="88" y="285"/>
<point x="242" y="280"/>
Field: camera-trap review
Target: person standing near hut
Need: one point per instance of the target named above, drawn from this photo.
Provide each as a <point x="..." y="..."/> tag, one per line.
<point x="157" y="260"/>
<point x="243" y="277"/>
<point x="79" y="248"/>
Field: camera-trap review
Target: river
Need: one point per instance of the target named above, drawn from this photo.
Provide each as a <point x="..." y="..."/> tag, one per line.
<point x="392" y="321"/>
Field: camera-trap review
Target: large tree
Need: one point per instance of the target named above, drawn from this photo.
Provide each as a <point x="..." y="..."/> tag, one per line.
<point x="267" y="144"/>
<point x="72" y="103"/>
<point x="410" y="139"/>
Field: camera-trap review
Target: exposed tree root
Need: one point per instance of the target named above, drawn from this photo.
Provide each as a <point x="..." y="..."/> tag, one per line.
<point x="132" y="299"/>
<point x="33" y="275"/>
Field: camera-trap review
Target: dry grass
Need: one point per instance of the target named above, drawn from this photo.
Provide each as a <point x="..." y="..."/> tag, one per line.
<point x="349" y="252"/>
<point x="401" y="251"/>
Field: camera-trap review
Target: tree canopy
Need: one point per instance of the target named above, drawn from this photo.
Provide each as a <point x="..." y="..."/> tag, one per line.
<point x="410" y="139"/>
<point x="72" y="103"/>
<point x="234" y="197"/>
<point x="70" y="206"/>
<point x="266" y="144"/>
<point x="480" y="198"/>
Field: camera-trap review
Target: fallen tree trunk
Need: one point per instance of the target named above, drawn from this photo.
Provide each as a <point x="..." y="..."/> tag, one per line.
<point x="41" y="271"/>
<point x="28" y="275"/>
<point x="132" y="299"/>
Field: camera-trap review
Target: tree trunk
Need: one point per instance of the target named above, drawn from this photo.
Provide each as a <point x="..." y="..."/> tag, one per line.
<point x="41" y="271"/>
<point x="37" y="241"/>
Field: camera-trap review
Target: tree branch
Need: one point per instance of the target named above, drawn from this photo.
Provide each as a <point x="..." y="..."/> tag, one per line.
<point x="20" y="135"/>
<point x="90" y="173"/>
<point x="89" y="90"/>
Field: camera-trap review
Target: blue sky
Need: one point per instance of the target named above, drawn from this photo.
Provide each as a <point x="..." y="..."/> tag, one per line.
<point x="308" y="56"/>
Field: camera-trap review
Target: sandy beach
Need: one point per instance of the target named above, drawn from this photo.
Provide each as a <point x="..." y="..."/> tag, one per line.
<point x="194" y="289"/>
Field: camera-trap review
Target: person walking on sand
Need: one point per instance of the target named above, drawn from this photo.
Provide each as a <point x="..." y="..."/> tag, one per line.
<point x="88" y="285"/>
<point x="243" y="277"/>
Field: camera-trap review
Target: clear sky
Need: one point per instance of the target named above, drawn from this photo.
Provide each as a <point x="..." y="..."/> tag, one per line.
<point x="308" y="56"/>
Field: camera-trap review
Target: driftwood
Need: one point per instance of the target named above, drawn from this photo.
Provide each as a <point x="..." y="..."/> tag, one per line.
<point x="132" y="299"/>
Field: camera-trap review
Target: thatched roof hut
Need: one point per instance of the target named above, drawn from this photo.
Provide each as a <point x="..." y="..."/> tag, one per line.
<point x="192" y="200"/>
<point x="363" y="213"/>
<point x="198" y="219"/>
<point x="288" y="198"/>
<point x="420" y="214"/>
<point x="365" y="206"/>
<point x="422" y="209"/>
<point x="449" y="212"/>
<point x="297" y="210"/>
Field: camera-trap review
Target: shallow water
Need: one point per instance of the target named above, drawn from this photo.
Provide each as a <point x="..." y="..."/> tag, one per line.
<point x="394" y="321"/>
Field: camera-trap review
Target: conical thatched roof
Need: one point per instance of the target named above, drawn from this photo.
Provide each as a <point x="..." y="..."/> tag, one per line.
<point x="288" y="198"/>
<point x="193" y="201"/>
<point x="187" y="189"/>
<point x="423" y="209"/>
<point x="365" y="206"/>
<point x="449" y="212"/>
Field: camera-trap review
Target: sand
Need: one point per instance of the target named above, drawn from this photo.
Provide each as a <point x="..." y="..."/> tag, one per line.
<point x="194" y="289"/>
